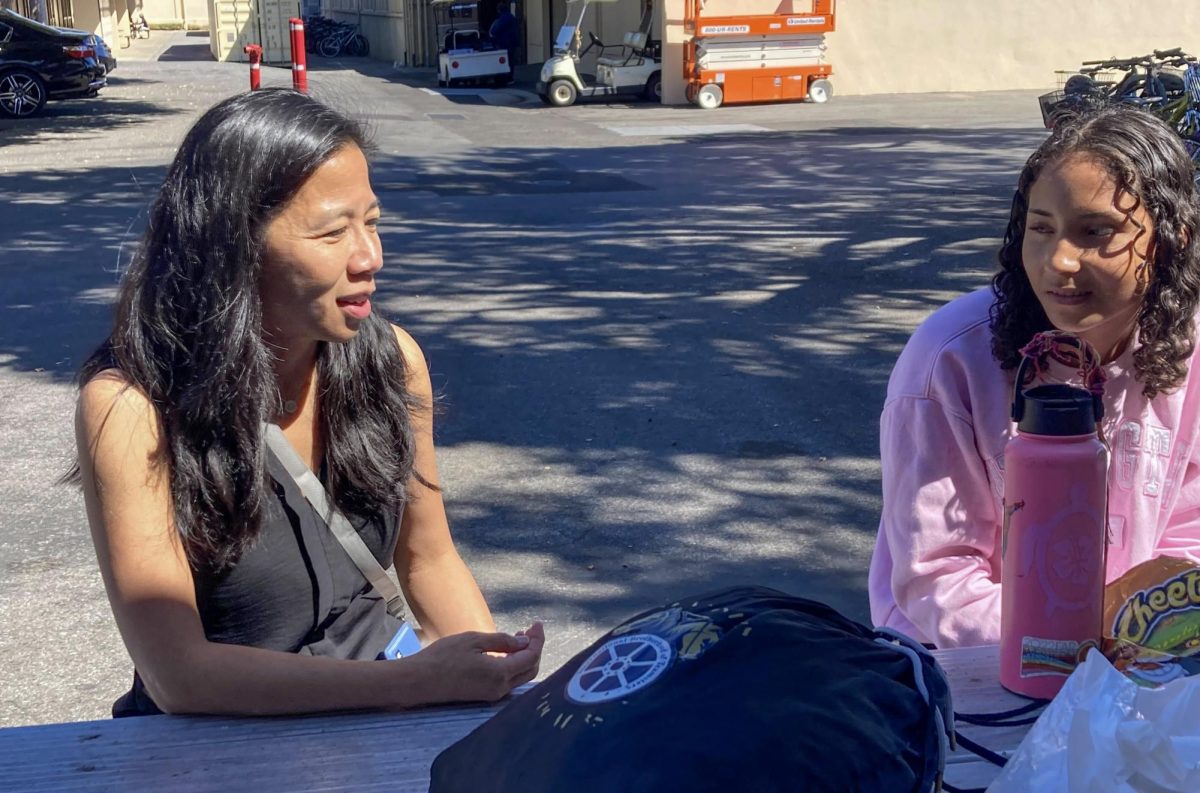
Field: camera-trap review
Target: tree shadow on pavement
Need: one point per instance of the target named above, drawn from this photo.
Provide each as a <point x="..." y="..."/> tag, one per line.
<point x="187" y="52"/>
<point x="83" y="118"/>
<point x="681" y="389"/>
<point x="75" y="230"/>
<point x="658" y="376"/>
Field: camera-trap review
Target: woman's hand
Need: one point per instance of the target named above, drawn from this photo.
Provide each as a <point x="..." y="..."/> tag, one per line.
<point x="481" y="667"/>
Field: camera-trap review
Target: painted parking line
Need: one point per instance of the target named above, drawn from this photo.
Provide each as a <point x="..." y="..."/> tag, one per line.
<point x="643" y="130"/>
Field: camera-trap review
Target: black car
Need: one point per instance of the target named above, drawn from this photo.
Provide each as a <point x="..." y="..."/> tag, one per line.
<point x="103" y="53"/>
<point x="38" y="62"/>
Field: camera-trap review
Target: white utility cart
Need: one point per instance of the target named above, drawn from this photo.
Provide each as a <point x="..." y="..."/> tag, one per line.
<point x="465" y="55"/>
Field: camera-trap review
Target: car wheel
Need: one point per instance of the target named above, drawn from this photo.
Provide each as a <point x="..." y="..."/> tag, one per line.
<point x="562" y="93"/>
<point x="653" y="90"/>
<point x="710" y="96"/>
<point x="22" y="94"/>
<point x="820" y="91"/>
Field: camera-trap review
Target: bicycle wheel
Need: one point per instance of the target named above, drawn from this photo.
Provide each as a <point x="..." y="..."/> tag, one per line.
<point x="330" y="47"/>
<point x="358" y="46"/>
<point x="1172" y="84"/>
<point x="1188" y="128"/>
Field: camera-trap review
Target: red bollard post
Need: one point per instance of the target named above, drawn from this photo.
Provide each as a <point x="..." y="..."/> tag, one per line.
<point x="255" y="53"/>
<point x="299" y="59"/>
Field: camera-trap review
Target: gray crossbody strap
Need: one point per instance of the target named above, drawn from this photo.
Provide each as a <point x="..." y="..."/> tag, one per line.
<point x="314" y="492"/>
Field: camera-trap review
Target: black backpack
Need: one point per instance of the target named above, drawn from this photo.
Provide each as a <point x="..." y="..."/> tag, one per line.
<point x="741" y="689"/>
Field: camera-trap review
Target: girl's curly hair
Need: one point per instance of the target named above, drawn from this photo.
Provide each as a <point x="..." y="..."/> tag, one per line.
<point x="1146" y="159"/>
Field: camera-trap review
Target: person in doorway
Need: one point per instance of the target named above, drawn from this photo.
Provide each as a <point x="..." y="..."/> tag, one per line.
<point x="138" y="25"/>
<point x="1101" y="242"/>
<point x="246" y="320"/>
<point x="505" y="33"/>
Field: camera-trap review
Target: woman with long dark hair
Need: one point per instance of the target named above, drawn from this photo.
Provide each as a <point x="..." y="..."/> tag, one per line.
<point x="247" y="311"/>
<point x="1101" y="242"/>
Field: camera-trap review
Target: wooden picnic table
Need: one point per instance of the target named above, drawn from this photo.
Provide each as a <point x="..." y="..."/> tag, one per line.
<point x="357" y="751"/>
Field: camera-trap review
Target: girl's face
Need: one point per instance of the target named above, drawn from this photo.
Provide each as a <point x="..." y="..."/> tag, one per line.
<point x="321" y="254"/>
<point x="1087" y="252"/>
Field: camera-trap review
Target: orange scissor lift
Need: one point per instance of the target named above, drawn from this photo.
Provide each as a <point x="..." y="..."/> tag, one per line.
<point x="757" y="58"/>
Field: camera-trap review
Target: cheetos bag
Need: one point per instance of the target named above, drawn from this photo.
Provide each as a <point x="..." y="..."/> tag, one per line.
<point x="741" y="689"/>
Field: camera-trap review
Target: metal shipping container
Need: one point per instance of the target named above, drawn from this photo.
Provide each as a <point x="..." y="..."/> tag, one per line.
<point x="235" y="23"/>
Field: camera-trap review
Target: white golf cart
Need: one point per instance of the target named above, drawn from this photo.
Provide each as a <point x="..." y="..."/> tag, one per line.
<point x="464" y="53"/>
<point x="632" y="68"/>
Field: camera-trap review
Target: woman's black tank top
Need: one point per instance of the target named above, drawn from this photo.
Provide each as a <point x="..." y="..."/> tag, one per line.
<point x="296" y="590"/>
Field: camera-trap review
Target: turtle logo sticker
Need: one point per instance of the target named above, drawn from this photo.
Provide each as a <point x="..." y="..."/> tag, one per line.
<point x="619" y="667"/>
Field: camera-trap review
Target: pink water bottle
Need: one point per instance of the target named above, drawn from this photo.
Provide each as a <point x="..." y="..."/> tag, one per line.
<point x="1053" y="539"/>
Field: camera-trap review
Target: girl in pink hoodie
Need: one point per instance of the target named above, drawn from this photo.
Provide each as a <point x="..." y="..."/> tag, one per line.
<point x="1103" y="242"/>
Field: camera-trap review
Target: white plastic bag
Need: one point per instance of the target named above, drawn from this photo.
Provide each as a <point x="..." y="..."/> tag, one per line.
<point x="1105" y="734"/>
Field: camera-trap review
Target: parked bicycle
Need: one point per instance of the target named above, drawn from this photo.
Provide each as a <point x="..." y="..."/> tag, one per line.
<point x="138" y="27"/>
<point x="1186" y="120"/>
<point x="1149" y="81"/>
<point x="331" y="39"/>
<point x="1165" y="83"/>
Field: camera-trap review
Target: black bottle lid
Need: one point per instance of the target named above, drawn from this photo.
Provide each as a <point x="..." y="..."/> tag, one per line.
<point x="1056" y="410"/>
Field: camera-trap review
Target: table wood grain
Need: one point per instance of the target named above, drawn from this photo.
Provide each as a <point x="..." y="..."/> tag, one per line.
<point x="354" y="751"/>
<point x="974" y="675"/>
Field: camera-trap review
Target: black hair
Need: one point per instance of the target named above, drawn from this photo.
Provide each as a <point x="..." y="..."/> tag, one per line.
<point x="188" y="331"/>
<point x="1146" y="159"/>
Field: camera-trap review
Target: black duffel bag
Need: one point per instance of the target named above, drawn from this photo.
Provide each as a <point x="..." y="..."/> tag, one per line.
<point x="744" y="689"/>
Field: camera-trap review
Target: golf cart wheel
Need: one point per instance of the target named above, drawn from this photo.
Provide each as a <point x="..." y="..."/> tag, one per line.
<point x="561" y="93"/>
<point x="820" y="91"/>
<point x="22" y="94"/>
<point x="653" y="90"/>
<point x="710" y="96"/>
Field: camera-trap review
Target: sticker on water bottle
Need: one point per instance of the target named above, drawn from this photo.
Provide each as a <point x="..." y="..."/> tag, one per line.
<point x="1043" y="657"/>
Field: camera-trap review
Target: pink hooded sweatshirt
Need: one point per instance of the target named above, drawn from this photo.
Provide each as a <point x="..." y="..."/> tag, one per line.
<point x="935" y="573"/>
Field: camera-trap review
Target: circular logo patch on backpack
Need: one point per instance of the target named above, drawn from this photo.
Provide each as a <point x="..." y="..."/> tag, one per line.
<point x="619" y="667"/>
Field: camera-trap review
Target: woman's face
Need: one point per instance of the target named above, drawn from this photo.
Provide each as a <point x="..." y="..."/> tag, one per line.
<point x="1086" y="252"/>
<point x="321" y="254"/>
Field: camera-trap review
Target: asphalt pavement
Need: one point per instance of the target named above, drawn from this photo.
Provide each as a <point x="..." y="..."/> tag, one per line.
<point x="661" y="335"/>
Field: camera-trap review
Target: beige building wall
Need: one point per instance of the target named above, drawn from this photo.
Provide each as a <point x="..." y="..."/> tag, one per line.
<point x="108" y="19"/>
<point x="193" y="13"/>
<point x="914" y="46"/>
<point x="537" y="31"/>
<point x="543" y="18"/>
<point x="381" y="21"/>
<point x="889" y="46"/>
